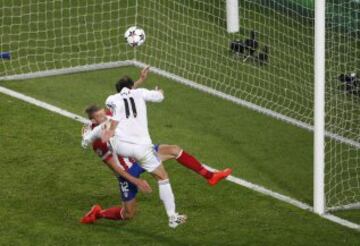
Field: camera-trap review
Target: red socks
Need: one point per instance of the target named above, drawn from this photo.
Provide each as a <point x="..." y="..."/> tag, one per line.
<point x="114" y="213"/>
<point x="192" y="163"/>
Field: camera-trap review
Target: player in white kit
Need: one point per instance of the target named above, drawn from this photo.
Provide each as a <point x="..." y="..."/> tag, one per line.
<point x="129" y="137"/>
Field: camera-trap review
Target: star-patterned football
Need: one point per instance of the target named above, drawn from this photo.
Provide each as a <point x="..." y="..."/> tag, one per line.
<point x="134" y="36"/>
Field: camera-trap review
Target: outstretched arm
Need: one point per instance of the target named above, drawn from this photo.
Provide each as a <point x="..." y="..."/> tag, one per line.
<point x="109" y="132"/>
<point x="143" y="76"/>
<point x="156" y="95"/>
<point x="89" y="135"/>
<point x="140" y="183"/>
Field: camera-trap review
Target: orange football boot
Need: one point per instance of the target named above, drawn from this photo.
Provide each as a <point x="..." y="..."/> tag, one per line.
<point x="91" y="216"/>
<point x="219" y="175"/>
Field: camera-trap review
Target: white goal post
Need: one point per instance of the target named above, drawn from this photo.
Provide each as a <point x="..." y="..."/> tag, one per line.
<point x="319" y="108"/>
<point x="232" y="16"/>
<point x="294" y="60"/>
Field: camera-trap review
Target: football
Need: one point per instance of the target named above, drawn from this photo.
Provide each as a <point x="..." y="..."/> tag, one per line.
<point x="134" y="36"/>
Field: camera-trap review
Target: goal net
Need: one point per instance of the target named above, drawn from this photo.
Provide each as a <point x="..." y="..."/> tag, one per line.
<point x="49" y="35"/>
<point x="269" y="66"/>
<point x="189" y="38"/>
<point x="343" y="104"/>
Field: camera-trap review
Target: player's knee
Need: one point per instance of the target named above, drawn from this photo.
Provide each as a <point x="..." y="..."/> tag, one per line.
<point x="162" y="176"/>
<point x="130" y="213"/>
<point x="175" y="150"/>
<point x="160" y="173"/>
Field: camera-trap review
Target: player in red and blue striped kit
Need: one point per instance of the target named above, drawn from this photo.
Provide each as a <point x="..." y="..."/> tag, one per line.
<point x="128" y="171"/>
<point x="128" y="190"/>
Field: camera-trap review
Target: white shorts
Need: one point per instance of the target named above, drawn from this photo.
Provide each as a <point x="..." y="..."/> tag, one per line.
<point x="143" y="153"/>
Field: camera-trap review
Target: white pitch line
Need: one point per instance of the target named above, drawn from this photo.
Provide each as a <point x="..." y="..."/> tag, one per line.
<point x="42" y="104"/>
<point x="246" y="104"/>
<point x="63" y="71"/>
<point x="341" y="221"/>
<point x="266" y="191"/>
<point x="271" y="193"/>
<point x="187" y="82"/>
<point x="232" y="179"/>
<point x="287" y="199"/>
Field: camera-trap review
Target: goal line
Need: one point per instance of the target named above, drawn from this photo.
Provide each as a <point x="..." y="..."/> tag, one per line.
<point x="231" y="178"/>
<point x="184" y="81"/>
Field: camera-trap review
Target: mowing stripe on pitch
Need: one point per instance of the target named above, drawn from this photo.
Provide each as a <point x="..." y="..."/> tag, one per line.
<point x="232" y="179"/>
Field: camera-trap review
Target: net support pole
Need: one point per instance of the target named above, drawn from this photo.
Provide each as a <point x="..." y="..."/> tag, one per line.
<point x="319" y="108"/>
<point x="232" y="16"/>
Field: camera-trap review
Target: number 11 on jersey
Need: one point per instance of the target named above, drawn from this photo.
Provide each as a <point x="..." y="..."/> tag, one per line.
<point x="127" y="108"/>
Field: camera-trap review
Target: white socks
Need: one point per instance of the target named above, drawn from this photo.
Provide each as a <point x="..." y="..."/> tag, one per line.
<point x="167" y="196"/>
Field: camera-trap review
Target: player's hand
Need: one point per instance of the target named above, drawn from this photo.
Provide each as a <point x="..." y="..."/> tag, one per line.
<point x="143" y="76"/>
<point x="106" y="135"/>
<point x="86" y="128"/>
<point x="159" y="90"/>
<point x="144" y="73"/>
<point x="143" y="186"/>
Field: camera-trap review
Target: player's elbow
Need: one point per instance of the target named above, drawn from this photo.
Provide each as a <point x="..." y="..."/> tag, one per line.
<point x="161" y="97"/>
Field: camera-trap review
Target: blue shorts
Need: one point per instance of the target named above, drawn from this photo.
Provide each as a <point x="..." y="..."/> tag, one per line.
<point x="128" y="190"/>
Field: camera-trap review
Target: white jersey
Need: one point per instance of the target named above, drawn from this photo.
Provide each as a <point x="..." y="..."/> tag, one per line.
<point x="128" y="107"/>
<point x="90" y="135"/>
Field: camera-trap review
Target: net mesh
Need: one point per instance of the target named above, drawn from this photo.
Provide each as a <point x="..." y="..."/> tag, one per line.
<point x="43" y="35"/>
<point x="188" y="38"/>
<point x="342" y="102"/>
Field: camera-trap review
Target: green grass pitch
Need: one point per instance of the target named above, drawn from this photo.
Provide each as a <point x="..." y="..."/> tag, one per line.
<point x="48" y="182"/>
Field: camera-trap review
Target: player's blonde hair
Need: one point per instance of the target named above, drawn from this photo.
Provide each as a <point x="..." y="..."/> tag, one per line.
<point x="91" y="109"/>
